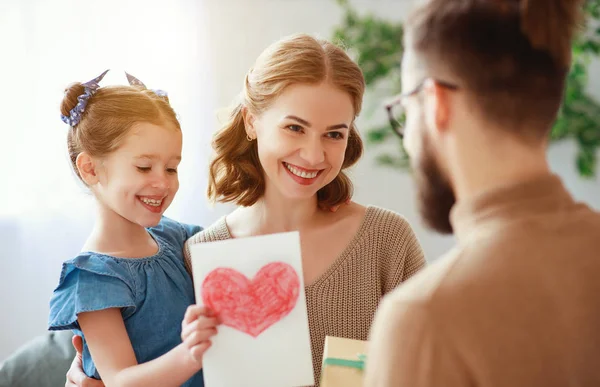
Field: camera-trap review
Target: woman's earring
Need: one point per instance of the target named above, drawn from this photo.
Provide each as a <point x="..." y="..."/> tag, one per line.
<point x="248" y="137"/>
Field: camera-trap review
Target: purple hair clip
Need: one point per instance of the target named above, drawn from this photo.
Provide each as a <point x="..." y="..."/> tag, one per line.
<point x="133" y="81"/>
<point x="90" y="88"/>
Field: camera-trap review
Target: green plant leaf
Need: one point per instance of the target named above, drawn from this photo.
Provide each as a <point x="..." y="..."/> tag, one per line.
<point x="586" y="162"/>
<point x="378" y="135"/>
<point x="394" y="161"/>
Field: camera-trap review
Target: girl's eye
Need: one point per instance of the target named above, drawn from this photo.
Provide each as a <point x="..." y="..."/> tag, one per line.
<point x="144" y="169"/>
<point x="172" y="170"/>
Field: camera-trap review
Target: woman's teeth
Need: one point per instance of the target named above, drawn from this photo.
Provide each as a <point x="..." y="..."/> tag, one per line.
<point x="151" y="202"/>
<point x="304" y="174"/>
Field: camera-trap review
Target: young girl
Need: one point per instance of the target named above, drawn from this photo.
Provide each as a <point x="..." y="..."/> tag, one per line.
<point x="127" y="291"/>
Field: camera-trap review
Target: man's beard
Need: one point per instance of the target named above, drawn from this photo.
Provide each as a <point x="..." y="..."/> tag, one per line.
<point x="435" y="194"/>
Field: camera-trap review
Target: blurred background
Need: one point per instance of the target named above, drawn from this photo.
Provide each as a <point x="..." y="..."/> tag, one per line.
<point x="199" y="51"/>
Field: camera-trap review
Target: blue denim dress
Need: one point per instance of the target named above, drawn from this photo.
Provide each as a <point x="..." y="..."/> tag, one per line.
<point x="153" y="294"/>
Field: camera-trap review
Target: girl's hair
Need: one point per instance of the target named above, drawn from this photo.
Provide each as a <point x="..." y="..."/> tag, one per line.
<point x="511" y="55"/>
<point x="109" y="115"/>
<point x="236" y="174"/>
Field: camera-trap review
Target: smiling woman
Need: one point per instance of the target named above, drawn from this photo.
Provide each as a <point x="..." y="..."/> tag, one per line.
<point x="282" y="157"/>
<point x="305" y="141"/>
<point x="274" y="105"/>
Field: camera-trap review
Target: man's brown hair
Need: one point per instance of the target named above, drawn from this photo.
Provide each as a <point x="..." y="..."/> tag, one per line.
<point x="511" y="56"/>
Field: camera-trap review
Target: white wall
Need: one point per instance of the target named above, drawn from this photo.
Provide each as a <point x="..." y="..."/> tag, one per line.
<point x="239" y="31"/>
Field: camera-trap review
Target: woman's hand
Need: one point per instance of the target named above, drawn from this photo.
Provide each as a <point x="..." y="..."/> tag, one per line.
<point x="75" y="375"/>
<point x="335" y="208"/>
<point x="198" y="326"/>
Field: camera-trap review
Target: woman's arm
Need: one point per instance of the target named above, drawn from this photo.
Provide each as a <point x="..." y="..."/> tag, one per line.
<point x="407" y="257"/>
<point x="115" y="360"/>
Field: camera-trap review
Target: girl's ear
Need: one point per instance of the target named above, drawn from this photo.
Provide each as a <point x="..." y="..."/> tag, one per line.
<point x="86" y="166"/>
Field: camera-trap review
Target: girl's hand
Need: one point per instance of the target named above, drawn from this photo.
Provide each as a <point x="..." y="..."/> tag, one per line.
<point x="198" y="326"/>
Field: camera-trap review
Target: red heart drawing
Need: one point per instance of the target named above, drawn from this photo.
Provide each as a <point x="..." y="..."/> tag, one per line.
<point x="252" y="306"/>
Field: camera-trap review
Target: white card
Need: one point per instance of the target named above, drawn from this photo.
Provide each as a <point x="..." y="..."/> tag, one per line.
<point x="256" y="286"/>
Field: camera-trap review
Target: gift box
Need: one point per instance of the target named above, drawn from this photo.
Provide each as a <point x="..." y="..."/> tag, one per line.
<point x="343" y="362"/>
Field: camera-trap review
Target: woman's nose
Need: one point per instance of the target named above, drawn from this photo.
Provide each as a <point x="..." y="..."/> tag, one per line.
<point x="313" y="152"/>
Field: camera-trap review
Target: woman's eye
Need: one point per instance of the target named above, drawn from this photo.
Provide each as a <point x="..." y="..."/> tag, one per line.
<point x="172" y="170"/>
<point x="335" y="135"/>
<point x="144" y="169"/>
<point x="294" y="128"/>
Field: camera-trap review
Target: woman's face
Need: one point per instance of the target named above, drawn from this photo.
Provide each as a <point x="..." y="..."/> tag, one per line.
<point x="302" y="138"/>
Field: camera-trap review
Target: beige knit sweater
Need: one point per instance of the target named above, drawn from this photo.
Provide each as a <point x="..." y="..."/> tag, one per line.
<point x="342" y="302"/>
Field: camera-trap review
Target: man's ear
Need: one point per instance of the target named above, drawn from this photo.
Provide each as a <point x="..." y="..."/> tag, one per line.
<point x="249" y="121"/>
<point x="86" y="166"/>
<point x="437" y="107"/>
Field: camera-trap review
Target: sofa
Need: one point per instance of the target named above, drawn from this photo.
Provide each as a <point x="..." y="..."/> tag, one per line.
<point x="41" y="362"/>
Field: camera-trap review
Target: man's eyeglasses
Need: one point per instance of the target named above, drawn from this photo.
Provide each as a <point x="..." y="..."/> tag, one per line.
<point x="395" y="109"/>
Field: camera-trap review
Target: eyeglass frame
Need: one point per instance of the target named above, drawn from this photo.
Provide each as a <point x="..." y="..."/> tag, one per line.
<point x="397" y="127"/>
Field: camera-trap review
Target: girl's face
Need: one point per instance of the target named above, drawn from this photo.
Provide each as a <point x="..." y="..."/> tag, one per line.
<point x="302" y="138"/>
<point x="139" y="180"/>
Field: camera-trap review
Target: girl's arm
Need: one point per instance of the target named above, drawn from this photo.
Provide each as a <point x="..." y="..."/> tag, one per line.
<point x="75" y="375"/>
<point x="115" y="360"/>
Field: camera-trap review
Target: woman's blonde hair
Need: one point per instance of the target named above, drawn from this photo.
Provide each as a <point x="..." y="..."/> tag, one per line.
<point x="236" y="174"/>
